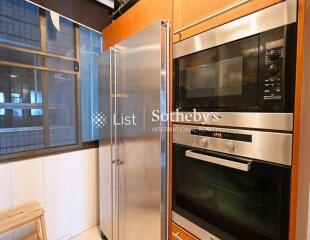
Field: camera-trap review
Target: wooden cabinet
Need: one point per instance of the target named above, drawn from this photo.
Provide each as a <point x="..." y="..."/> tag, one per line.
<point x="186" y="12"/>
<point x="178" y="233"/>
<point x="140" y="16"/>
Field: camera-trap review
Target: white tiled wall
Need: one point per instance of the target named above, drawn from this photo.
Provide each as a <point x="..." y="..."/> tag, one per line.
<point x="66" y="185"/>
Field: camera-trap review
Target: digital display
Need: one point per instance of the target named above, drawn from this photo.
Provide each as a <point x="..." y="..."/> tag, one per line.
<point x="222" y="135"/>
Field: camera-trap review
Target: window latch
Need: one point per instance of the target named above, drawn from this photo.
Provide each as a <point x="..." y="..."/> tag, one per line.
<point x="76" y="66"/>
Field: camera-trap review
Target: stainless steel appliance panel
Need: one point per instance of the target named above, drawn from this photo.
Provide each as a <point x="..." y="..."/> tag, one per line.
<point x="106" y="168"/>
<point x="275" y="16"/>
<point x="192" y="228"/>
<point x="268" y="121"/>
<point x="265" y="146"/>
<point x="141" y="73"/>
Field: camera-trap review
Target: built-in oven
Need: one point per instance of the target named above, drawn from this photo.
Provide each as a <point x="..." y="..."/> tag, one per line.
<point x="244" y="66"/>
<point x="231" y="184"/>
<point x="233" y="125"/>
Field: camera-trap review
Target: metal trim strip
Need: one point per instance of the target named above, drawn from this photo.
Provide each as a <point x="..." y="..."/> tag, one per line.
<point x="164" y="138"/>
<point x="264" y="121"/>
<point x="192" y="228"/>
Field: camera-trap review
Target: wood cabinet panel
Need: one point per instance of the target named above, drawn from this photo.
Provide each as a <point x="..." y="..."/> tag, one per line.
<point x="194" y="10"/>
<point x="295" y="228"/>
<point x="181" y="233"/>
<point x="140" y="16"/>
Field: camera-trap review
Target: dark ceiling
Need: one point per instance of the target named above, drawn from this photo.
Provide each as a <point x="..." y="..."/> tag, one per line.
<point x="88" y="12"/>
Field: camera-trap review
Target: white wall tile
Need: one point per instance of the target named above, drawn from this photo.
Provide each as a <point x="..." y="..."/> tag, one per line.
<point x="58" y="222"/>
<point x="27" y="181"/>
<point x="66" y="185"/>
<point x="7" y="237"/>
<point x="94" y="205"/>
<point x="5" y="187"/>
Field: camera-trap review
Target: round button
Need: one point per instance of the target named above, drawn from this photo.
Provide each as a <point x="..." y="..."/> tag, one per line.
<point x="230" y="146"/>
<point x="273" y="68"/>
<point x="203" y="141"/>
<point x="274" y="54"/>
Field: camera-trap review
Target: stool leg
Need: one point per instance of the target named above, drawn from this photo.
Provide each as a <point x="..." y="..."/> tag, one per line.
<point x="43" y="229"/>
<point x="38" y="229"/>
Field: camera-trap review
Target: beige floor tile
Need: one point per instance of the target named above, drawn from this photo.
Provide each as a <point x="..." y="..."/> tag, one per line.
<point x="90" y="234"/>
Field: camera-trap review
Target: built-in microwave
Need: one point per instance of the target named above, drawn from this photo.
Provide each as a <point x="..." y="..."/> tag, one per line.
<point x="227" y="71"/>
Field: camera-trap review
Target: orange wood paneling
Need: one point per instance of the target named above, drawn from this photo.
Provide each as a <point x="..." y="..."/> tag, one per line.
<point x="182" y="233"/>
<point x="195" y="10"/>
<point x="297" y="114"/>
<point x="140" y="16"/>
<point x="177" y="17"/>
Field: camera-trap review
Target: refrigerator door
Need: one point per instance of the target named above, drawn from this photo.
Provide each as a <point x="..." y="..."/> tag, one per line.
<point x="141" y="91"/>
<point x="108" y="170"/>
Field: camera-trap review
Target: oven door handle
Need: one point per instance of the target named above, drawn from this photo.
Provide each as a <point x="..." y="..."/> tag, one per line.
<point x="219" y="161"/>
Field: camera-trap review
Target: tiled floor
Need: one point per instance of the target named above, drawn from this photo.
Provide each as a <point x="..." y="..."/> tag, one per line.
<point x="91" y="234"/>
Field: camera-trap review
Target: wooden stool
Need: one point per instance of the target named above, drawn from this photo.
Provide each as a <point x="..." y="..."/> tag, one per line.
<point x="16" y="218"/>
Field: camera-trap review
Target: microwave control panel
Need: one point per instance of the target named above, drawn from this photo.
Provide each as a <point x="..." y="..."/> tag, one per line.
<point x="274" y="59"/>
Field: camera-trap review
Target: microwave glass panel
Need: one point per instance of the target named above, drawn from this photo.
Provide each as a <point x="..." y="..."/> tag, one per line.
<point x="224" y="76"/>
<point x="201" y="80"/>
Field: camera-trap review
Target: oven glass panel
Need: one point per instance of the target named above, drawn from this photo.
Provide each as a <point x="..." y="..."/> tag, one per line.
<point x="232" y="204"/>
<point x="224" y="76"/>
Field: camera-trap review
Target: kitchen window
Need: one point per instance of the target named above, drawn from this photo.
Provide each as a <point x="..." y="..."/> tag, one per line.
<point x="40" y="82"/>
<point x="90" y="47"/>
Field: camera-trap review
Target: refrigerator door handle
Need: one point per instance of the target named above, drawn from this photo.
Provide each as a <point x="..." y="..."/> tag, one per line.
<point x="114" y="141"/>
<point x="115" y="107"/>
<point x="164" y="136"/>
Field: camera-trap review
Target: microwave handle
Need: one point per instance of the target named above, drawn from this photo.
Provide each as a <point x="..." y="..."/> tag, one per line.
<point x="228" y="8"/>
<point x="222" y="162"/>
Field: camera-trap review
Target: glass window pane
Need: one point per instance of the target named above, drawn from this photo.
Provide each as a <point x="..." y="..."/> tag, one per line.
<point x="10" y="55"/>
<point x="62" y="109"/>
<point x="61" y="42"/>
<point x="19" y="23"/>
<point x="36" y="98"/>
<point x="20" y="130"/>
<point x="59" y="64"/>
<point x="2" y="100"/>
<point x="90" y="49"/>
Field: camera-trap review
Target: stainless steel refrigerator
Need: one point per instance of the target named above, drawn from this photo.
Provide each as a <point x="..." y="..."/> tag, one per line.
<point x="133" y="142"/>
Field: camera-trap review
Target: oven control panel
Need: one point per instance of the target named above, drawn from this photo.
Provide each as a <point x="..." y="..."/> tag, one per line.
<point x="222" y="135"/>
<point x="274" y="58"/>
<point x="259" y="145"/>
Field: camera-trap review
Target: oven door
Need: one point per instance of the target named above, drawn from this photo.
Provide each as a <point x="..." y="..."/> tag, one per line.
<point x="222" y="77"/>
<point x="232" y="198"/>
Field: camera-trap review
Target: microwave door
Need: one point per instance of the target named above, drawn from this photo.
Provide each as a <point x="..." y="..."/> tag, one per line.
<point x="222" y="77"/>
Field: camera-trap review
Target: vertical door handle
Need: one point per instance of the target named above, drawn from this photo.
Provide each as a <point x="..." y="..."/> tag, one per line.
<point x="230" y="7"/>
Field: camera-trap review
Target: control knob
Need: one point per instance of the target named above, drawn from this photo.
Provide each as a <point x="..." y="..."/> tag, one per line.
<point x="230" y="146"/>
<point x="274" y="54"/>
<point x="203" y="142"/>
<point x="273" y="68"/>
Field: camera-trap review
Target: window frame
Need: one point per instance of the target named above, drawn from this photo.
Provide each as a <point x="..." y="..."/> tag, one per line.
<point x="48" y="150"/>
